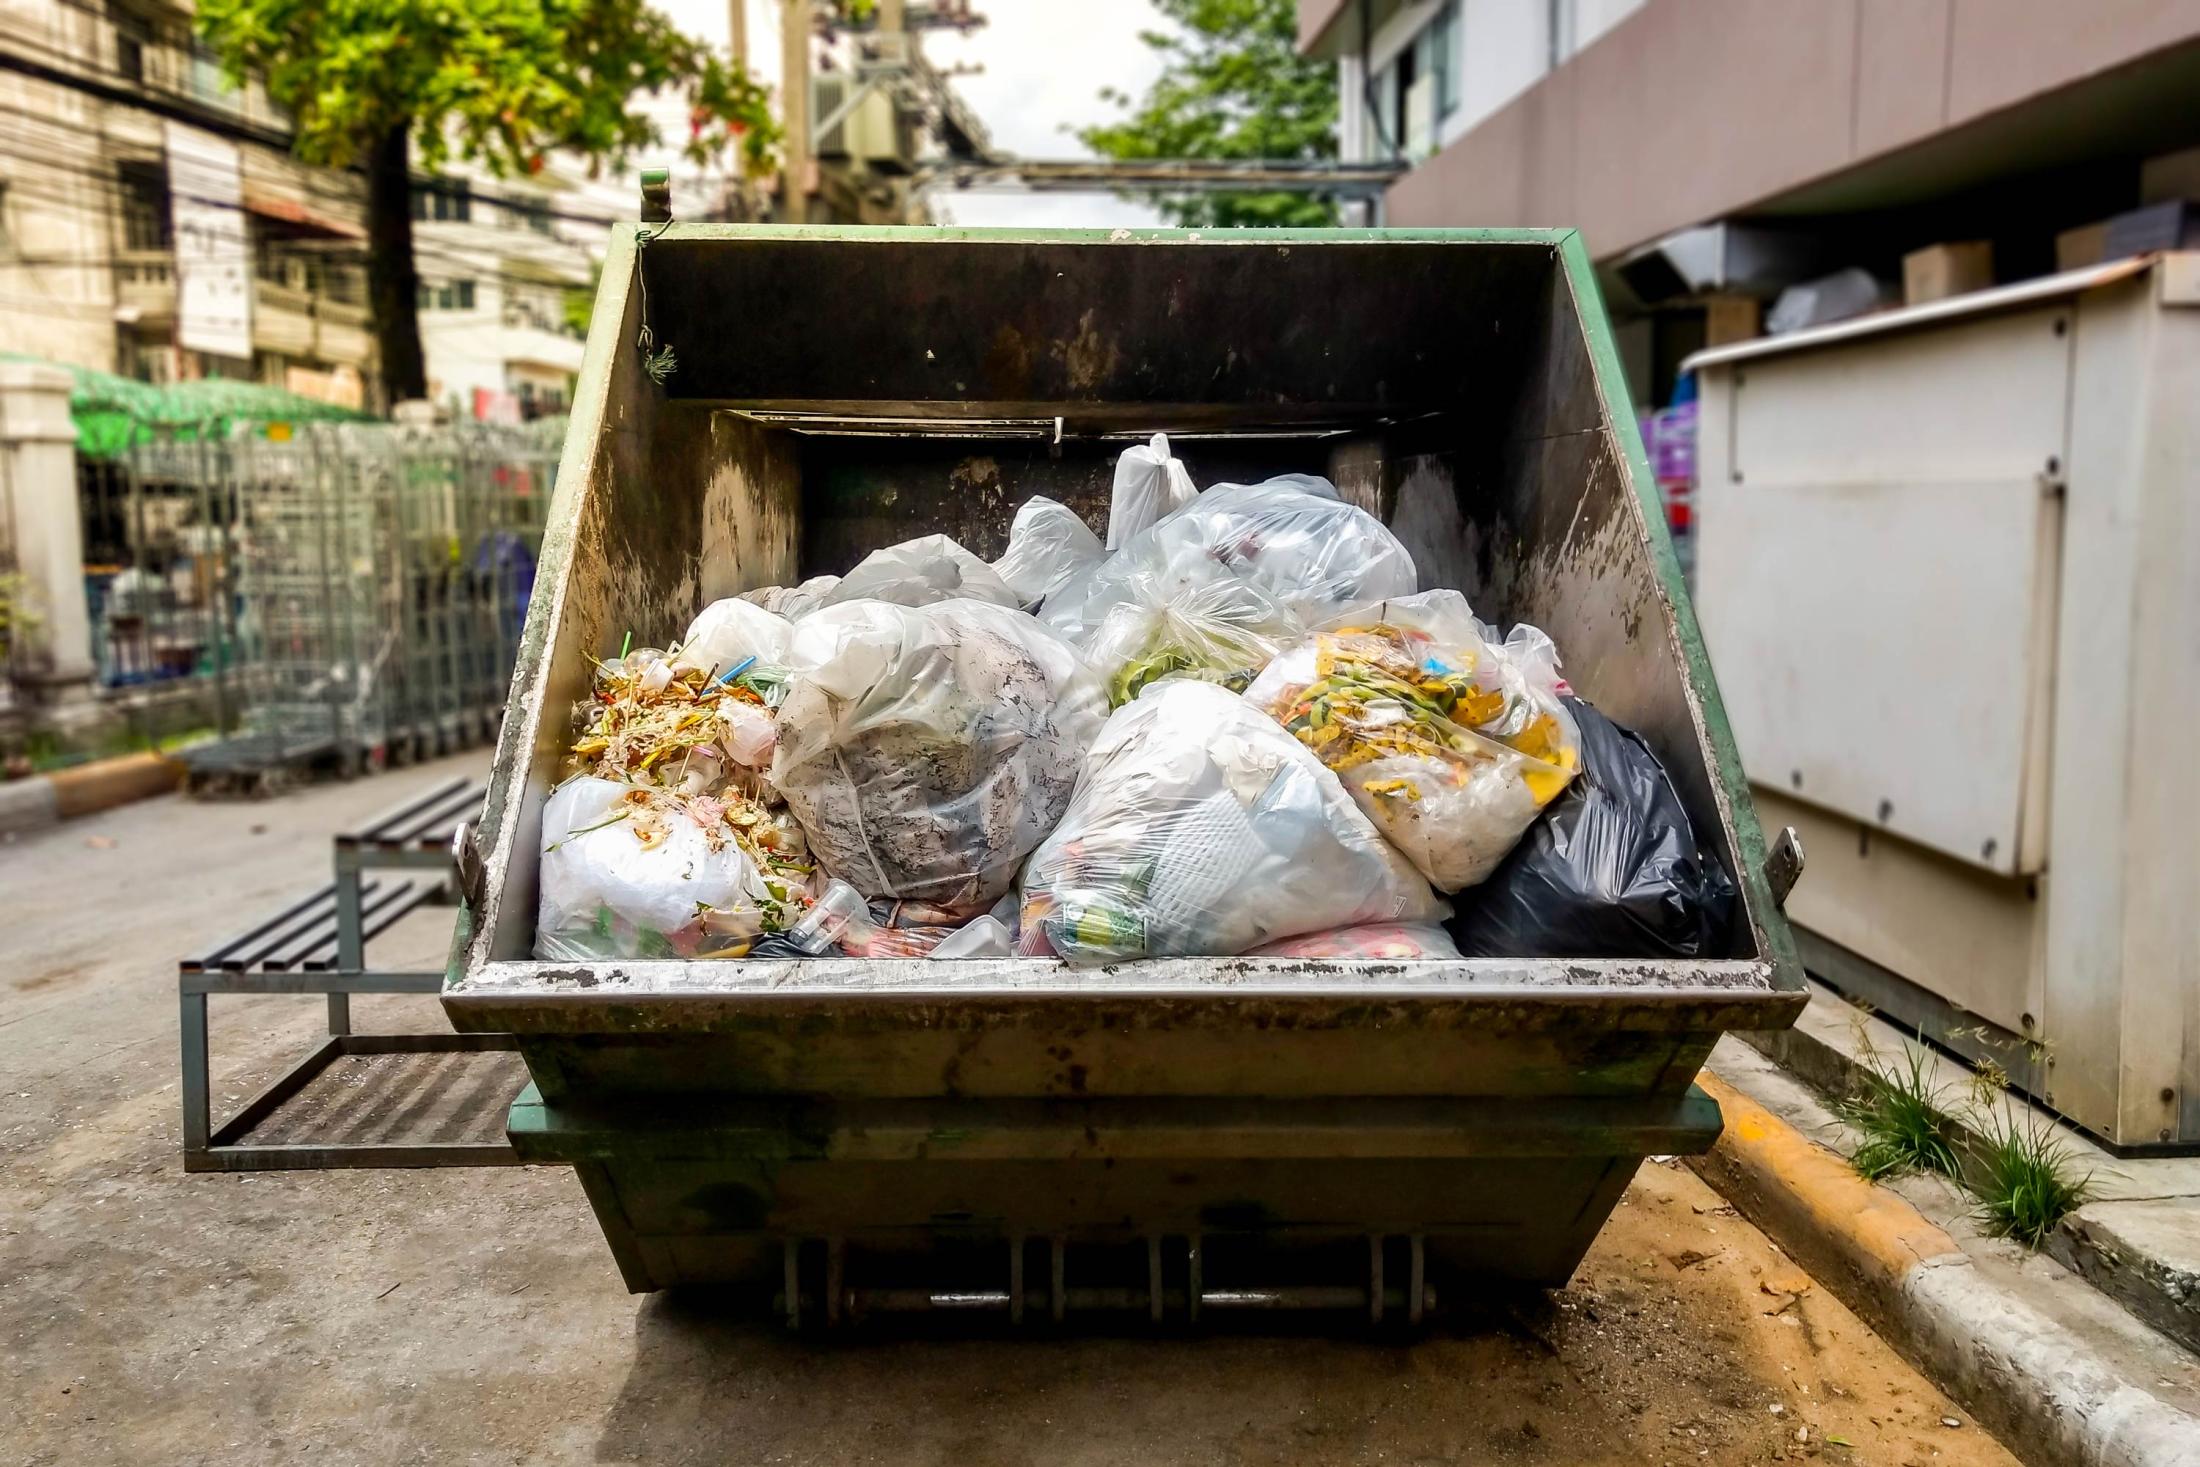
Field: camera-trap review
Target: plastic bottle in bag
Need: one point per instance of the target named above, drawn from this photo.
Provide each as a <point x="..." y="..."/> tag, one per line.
<point x="1048" y="545"/>
<point x="1451" y="742"/>
<point x="1149" y="484"/>
<point x="920" y="572"/>
<point x="927" y="750"/>
<point x="1201" y="828"/>
<point x="1613" y="871"/>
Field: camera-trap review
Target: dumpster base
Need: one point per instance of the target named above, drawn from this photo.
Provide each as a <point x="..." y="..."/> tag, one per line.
<point x="1170" y="1208"/>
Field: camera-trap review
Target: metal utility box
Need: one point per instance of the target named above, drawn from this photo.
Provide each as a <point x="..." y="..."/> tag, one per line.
<point x="1948" y="561"/>
<point x="1168" y="1136"/>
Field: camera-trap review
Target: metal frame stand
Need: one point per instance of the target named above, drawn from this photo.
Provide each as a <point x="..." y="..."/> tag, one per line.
<point x="275" y="958"/>
<point x="211" y="1148"/>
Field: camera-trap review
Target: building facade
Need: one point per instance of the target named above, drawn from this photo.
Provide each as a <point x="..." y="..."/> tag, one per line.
<point x="1714" y="152"/>
<point x="499" y="260"/>
<point x="101" y="107"/>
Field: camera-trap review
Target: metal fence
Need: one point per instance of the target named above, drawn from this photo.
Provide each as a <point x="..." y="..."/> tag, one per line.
<point x="351" y="593"/>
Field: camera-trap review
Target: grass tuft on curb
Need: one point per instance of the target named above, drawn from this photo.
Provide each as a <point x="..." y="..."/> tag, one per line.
<point x="1904" y="1120"/>
<point x="2023" y="1182"/>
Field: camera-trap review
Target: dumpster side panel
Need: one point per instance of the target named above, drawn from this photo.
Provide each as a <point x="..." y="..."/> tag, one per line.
<point x="1581" y="549"/>
<point x="660" y="508"/>
<point x="1501" y="1187"/>
<point x="828" y="1055"/>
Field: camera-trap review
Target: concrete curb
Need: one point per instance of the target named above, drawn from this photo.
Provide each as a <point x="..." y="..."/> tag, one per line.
<point x="87" y="789"/>
<point x="2029" y="1378"/>
<point x="2139" y="1244"/>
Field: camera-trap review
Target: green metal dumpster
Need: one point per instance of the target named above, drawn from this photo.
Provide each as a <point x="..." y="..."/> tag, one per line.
<point x="1171" y="1138"/>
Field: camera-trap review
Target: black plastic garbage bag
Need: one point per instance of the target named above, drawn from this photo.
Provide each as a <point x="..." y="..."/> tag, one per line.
<point x="1612" y="870"/>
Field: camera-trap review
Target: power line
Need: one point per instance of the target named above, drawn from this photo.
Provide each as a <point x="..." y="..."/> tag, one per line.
<point x="236" y="130"/>
<point x="105" y="188"/>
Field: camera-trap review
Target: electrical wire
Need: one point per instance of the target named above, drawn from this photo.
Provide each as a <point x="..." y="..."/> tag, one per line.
<point x="108" y="80"/>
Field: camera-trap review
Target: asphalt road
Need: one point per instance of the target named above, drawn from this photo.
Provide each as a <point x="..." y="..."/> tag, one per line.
<point x="147" y="1316"/>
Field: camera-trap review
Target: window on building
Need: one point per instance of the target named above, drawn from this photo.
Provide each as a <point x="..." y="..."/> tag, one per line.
<point x="535" y="217"/>
<point x="206" y="82"/>
<point x="447" y="200"/>
<point x="1439" y="47"/>
<point x="133" y="38"/>
<point x="448" y="295"/>
<point x="144" y="199"/>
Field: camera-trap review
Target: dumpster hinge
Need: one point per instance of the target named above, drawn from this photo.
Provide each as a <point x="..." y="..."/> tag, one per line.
<point x="1784" y="865"/>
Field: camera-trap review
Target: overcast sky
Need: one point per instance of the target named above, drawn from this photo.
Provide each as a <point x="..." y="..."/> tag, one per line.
<point x="1044" y="64"/>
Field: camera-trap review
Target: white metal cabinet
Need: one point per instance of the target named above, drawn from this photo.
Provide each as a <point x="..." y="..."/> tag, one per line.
<point x="1948" y="567"/>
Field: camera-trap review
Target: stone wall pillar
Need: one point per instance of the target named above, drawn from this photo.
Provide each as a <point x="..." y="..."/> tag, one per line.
<point x="53" y="662"/>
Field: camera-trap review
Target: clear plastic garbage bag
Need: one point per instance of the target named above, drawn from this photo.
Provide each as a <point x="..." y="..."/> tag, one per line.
<point x="1201" y="828"/>
<point x="1149" y="485"/>
<point x="1192" y="620"/>
<point x="733" y="634"/>
<point x="927" y="751"/>
<point x="919" y="572"/>
<point x="1614" y="871"/>
<point x="1290" y="538"/>
<point x="1451" y="742"/>
<point x="1371" y="942"/>
<point x="1047" y="546"/>
<point x="629" y="871"/>
<point x="791" y="601"/>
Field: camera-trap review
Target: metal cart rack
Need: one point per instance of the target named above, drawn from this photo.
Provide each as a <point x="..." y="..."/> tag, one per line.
<point x="409" y="1099"/>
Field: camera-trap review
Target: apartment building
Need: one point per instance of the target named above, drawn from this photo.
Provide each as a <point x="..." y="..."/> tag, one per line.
<point x="154" y="223"/>
<point x="1714" y="152"/>
<point x="116" y="131"/>
<point x="499" y="258"/>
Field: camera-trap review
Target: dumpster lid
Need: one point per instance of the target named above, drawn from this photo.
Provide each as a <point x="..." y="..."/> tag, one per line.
<point x="1932" y="313"/>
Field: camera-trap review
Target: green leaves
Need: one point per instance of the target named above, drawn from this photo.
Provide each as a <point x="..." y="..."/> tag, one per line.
<point x="1232" y="86"/>
<point x="498" y="81"/>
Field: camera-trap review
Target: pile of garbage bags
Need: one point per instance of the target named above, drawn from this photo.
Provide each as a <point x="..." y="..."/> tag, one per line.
<point x="1233" y="725"/>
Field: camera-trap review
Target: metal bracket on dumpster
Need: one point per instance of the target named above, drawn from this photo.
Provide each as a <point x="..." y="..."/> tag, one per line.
<point x="1784" y="865"/>
<point x="656" y="196"/>
<point x="472" y="874"/>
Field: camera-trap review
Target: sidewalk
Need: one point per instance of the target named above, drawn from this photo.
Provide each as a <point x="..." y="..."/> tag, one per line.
<point x="2046" y="1360"/>
<point x="2138" y="1240"/>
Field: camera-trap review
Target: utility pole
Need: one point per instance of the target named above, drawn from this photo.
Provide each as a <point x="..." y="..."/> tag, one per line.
<point x="794" y="96"/>
<point x="737" y="31"/>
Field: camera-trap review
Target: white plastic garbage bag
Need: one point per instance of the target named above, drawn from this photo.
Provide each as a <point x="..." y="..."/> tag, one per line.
<point x="927" y="750"/>
<point x="1451" y="741"/>
<point x="920" y="572"/>
<point x="733" y="634"/>
<point x="632" y="871"/>
<point x="1201" y="828"/>
<point x="1149" y="484"/>
<point x="791" y="601"/>
<point x="1291" y="537"/>
<point x="1047" y="545"/>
